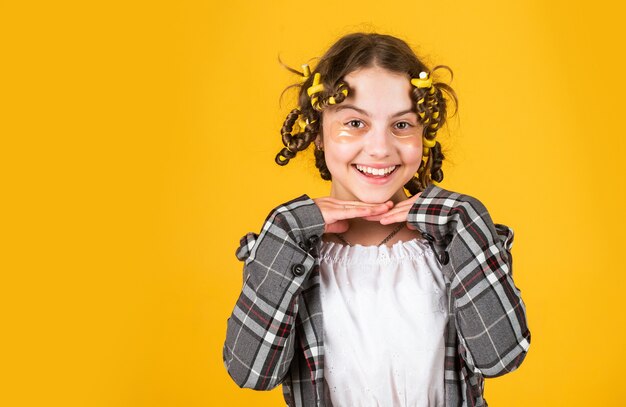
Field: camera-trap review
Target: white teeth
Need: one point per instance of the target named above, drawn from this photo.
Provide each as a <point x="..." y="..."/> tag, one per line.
<point x="375" y="171"/>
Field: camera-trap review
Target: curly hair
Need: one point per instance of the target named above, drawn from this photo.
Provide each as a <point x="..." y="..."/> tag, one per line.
<point x="350" y="53"/>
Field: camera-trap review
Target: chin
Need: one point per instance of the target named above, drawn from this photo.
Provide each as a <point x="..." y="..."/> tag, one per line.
<point x="374" y="197"/>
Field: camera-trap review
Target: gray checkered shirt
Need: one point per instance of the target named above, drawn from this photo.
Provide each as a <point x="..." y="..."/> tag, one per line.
<point x="275" y="334"/>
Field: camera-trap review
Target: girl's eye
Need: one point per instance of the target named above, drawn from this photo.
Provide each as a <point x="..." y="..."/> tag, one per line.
<point x="357" y="124"/>
<point x="403" y="125"/>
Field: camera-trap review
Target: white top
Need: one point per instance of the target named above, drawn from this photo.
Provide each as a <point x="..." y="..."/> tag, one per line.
<point x="384" y="318"/>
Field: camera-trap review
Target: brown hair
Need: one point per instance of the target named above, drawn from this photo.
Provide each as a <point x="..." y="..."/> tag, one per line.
<point x="348" y="54"/>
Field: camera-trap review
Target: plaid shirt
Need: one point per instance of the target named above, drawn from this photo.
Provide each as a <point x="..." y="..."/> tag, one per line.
<point x="275" y="333"/>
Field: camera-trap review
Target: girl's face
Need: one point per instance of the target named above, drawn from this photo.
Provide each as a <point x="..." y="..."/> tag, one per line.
<point x="372" y="140"/>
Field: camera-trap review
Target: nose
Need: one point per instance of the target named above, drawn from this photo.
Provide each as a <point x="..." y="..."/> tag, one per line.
<point x="378" y="143"/>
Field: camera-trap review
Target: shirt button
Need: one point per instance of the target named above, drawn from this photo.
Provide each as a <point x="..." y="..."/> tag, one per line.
<point x="444" y="258"/>
<point x="313" y="240"/>
<point x="297" y="269"/>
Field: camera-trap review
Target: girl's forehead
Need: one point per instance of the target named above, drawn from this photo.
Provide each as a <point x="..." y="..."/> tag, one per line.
<point x="375" y="72"/>
<point x="378" y="90"/>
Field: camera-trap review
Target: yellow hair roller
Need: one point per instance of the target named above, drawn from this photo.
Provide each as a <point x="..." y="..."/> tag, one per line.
<point x="332" y="101"/>
<point x="429" y="143"/>
<point x="317" y="87"/>
<point x="423" y="81"/>
<point x="301" y="124"/>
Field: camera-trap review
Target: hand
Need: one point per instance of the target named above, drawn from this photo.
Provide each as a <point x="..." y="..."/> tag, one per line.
<point x="399" y="213"/>
<point x="337" y="212"/>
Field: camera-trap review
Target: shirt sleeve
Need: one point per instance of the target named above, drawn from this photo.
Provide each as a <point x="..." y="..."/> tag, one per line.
<point x="489" y="313"/>
<point x="260" y="331"/>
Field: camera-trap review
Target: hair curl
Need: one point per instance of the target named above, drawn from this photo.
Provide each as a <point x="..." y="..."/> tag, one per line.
<point x="350" y="53"/>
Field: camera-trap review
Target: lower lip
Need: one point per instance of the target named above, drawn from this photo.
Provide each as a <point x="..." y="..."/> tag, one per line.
<point x="376" y="179"/>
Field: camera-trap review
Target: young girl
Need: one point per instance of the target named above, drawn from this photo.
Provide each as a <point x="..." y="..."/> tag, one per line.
<point x="370" y="297"/>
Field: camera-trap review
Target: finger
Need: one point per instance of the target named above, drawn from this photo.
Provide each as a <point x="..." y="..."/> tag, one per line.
<point x="340" y="226"/>
<point x="399" y="217"/>
<point x="407" y="202"/>
<point x="348" y="205"/>
<point x="394" y="219"/>
<point x="348" y="202"/>
<point x="359" y="204"/>
<point x="351" y="213"/>
<point x="332" y="215"/>
<point x="334" y="209"/>
<point x="394" y="216"/>
<point x="375" y="218"/>
<point x="328" y="202"/>
<point x="399" y="213"/>
<point x="401" y="208"/>
<point x="361" y="212"/>
<point x="397" y="209"/>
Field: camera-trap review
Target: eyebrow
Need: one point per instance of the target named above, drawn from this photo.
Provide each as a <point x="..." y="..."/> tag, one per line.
<point x="366" y="113"/>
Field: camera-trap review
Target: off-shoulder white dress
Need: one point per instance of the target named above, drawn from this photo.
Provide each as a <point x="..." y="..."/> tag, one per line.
<point x="384" y="311"/>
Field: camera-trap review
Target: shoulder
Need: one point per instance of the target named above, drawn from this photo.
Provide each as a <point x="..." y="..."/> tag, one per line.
<point x="441" y="213"/>
<point x="435" y="203"/>
<point x="293" y="222"/>
<point x="435" y="195"/>
<point x="300" y="214"/>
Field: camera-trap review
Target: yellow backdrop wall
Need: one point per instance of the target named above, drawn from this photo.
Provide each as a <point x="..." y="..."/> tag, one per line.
<point x="137" y="147"/>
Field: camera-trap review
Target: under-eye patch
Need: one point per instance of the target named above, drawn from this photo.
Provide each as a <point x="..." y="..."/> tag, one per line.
<point x="353" y="130"/>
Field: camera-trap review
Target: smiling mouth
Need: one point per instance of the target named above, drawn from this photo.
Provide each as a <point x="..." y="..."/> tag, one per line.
<point x="375" y="172"/>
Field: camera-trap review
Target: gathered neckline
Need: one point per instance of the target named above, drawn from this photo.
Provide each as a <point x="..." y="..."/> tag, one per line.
<point x="400" y="250"/>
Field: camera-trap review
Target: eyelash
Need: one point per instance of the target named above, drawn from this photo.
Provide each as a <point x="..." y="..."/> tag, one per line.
<point x="351" y="122"/>
<point x="408" y="125"/>
<point x="360" y="124"/>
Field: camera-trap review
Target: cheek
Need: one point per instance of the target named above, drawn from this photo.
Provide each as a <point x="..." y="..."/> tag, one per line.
<point x="341" y="144"/>
<point x="411" y="150"/>
<point x="339" y="154"/>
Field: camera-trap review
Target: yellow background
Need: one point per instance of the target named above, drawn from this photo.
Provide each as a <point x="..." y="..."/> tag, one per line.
<point x="137" y="146"/>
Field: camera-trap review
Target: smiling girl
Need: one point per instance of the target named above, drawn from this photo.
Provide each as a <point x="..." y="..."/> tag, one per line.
<point x="373" y="296"/>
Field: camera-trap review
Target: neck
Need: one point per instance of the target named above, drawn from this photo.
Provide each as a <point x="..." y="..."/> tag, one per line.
<point x="368" y="233"/>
